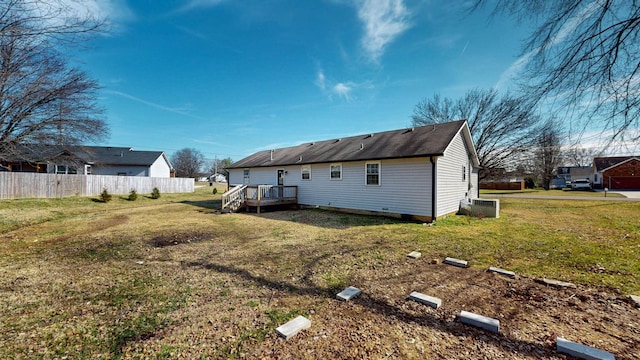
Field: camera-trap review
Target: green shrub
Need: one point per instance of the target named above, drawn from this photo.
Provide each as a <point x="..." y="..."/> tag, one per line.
<point x="105" y="196"/>
<point x="133" y="195"/>
<point x="215" y="191"/>
<point x="155" y="194"/>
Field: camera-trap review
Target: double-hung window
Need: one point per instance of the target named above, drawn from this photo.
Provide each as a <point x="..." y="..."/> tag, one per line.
<point x="336" y="171"/>
<point x="373" y="173"/>
<point x="306" y="172"/>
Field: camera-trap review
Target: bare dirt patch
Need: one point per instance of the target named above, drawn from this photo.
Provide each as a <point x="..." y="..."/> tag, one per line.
<point x="174" y="239"/>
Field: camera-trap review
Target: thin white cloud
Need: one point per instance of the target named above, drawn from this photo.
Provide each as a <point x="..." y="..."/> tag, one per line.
<point x="384" y="21"/>
<point x="199" y="4"/>
<point x="320" y="80"/>
<point x="340" y="89"/>
<point x="192" y="33"/>
<point x="56" y="13"/>
<point x="569" y="27"/>
<point x="178" y="111"/>
<point x="343" y="90"/>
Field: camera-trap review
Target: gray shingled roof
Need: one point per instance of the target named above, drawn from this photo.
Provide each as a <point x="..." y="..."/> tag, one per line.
<point x="90" y="154"/>
<point x="430" y="140"/>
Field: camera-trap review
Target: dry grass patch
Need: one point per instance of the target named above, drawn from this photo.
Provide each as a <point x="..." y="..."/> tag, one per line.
<point x="171" y="279"/>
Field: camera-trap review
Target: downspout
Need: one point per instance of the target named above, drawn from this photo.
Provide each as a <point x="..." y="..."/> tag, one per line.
<point x="433" y="189"/>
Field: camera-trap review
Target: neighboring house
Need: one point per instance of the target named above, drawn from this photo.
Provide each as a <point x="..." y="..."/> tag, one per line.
<point x="570" y="173"/>
<point x="88" y="160"/>
<point x="422" y="172"/>
<point x="217" y="178"/>
<point x="617" y="173"/>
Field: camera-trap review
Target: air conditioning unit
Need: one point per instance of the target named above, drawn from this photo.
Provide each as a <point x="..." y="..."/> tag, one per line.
<point x="486" y="207"/>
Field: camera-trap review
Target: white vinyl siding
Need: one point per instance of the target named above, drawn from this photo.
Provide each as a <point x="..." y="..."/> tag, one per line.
<point x="450" y="186"/>
<point x="160" y="168"/>
<point x="405" y="186"/>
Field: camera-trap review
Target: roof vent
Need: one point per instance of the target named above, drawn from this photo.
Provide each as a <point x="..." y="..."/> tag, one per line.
<point x="130" y="149"/>
<point x="300" y="159"/>
<point x="272" y="151"/>
<point x="368" y="136"/>
<point x="311" y="144"/>
<point x="338" y="140"/>
<point x="361" y="146"/>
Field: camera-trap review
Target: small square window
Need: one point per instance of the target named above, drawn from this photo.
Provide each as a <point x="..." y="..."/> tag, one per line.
<point x="464" y="173"/>
<point x="336" y="171"/>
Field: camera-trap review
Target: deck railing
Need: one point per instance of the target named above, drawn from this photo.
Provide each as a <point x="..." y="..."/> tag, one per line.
<point x="272" y="192"/>
<point x="259" y="195"/>
<point x="234" y="198"/>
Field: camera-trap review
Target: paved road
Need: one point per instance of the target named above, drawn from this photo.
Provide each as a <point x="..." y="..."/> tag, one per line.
<point x="630" y="196"/>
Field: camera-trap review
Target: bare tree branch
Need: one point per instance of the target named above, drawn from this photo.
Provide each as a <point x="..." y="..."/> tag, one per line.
<point x="42" y="99"/>
<point x="500" y="127"/>
<point x="584" y="57"/>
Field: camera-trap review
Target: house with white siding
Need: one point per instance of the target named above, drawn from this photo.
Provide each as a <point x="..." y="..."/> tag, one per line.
<point x="87" y="160"/>
<point x="416" y="173"/>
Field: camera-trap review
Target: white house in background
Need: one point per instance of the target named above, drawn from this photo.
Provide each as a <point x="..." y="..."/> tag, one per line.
<point x="421" y="173"/>
<point x="89" y="160"/>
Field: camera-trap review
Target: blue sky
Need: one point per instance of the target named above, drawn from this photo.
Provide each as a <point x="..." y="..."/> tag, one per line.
<point x="232" y="77"/>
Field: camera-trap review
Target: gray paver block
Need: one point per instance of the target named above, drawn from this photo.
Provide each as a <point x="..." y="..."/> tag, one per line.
<point x="293" y="327"/>
<point x="434" y="302"/>
<point x="414" y="254"/>
<point x="480" y="321"/>
<point x="503" y="272"/>
<point x="581" y="351"/>
<point x="558" y="283"/>
<point x="456" y="262"/>
<point x="348" y="293"/>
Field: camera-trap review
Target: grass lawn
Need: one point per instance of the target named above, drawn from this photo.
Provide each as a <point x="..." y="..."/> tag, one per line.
<point x="171" y="278"/>
<point x="555" y="192"/>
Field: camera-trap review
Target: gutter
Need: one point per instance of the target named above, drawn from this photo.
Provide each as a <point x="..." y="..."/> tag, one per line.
<point x="433" y="189"/>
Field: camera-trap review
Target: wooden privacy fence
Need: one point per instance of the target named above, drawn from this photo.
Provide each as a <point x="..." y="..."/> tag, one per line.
<point x="15" y="185"/>
<point x="513" y="185"/>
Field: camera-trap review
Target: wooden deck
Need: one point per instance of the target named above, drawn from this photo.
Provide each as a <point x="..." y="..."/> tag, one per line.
<point x="259" y="196"/>
<point x="271" y="195"/>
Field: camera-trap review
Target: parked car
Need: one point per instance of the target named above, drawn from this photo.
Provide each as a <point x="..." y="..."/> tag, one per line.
<point x="581" y="184"/>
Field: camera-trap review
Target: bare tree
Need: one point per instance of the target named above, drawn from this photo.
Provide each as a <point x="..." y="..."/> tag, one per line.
<point x="578" y="156"/>
<point x="547" y="153"/>
<point x="188" y="162"/>
<point x="219" y="166"/>
<point x="583" y="56"/>
<point x="42" y="99"/>
<point x="500" y="126"/>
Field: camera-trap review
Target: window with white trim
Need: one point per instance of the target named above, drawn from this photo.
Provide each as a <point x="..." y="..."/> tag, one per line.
<point x="336" y="171"/>
<point x="373" y="173"/>
<point x="305" y="172"/>
<point x="245" y="180"/>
